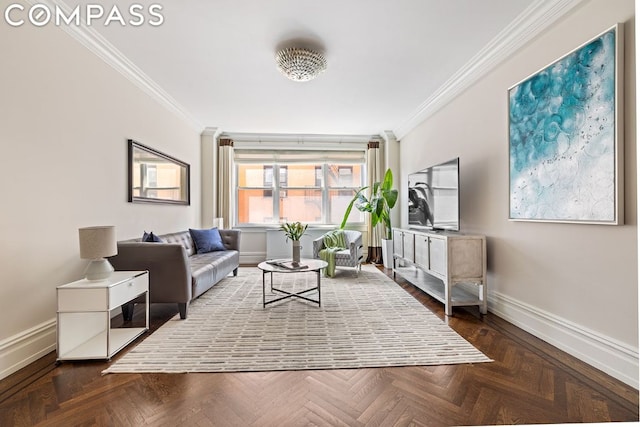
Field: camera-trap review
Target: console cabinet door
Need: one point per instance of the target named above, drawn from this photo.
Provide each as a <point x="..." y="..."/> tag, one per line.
<point x="469" y="256"/>
<point x="422" y="251"/>
<point x="397" y="243"/>
<point x="438" y="255"/>
<point x="407" y="246"/>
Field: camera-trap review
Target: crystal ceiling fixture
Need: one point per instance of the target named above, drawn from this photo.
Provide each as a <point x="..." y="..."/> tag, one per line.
<point x="300" y="64"/>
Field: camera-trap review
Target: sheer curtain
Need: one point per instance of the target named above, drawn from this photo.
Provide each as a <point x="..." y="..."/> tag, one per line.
<point x="225" y="177"/>
<point x="374" y="174"/>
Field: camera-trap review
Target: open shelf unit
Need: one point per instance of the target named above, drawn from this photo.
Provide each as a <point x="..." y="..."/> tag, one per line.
<point x="84" y="328"/>
<point x="435" y="287"/>
<point x="93" y="348"/>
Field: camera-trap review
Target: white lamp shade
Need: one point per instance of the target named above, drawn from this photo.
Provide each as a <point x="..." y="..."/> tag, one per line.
<point x="97" y="242"/>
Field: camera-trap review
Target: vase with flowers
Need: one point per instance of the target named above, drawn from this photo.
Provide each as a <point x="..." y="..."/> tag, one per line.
<point x="294" y="231"/>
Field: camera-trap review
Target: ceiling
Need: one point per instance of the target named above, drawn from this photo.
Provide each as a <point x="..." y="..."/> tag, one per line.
<point x="215" y="59"/>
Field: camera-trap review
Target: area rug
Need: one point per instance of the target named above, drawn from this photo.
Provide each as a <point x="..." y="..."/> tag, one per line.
<point x="366" y="320"/>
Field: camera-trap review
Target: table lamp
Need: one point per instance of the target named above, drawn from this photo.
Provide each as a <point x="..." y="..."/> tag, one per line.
<point x="96" y="243"/>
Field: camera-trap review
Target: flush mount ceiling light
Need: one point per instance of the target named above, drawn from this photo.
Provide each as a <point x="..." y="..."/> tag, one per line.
<point x="299" y="64"/>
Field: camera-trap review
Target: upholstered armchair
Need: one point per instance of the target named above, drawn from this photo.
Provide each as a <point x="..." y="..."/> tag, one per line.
<point x="351" y="256"/>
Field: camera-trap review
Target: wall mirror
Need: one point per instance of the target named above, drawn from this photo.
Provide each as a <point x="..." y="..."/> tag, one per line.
<point x="155" y="177"/>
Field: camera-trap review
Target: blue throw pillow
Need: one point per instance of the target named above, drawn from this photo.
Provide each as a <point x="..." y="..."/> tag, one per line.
<point x="150" y="237"/>
<point x="207" y="240"/>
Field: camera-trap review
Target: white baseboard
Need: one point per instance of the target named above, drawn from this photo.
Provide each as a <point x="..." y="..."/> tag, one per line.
<point x="616" y="358"/>
<point x="18" y="351"/>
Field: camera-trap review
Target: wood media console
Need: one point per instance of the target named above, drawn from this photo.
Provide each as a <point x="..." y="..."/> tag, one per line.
<point x="449" y="266"/>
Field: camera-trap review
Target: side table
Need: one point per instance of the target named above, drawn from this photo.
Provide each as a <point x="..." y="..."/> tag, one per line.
<point x="84" y="315"/>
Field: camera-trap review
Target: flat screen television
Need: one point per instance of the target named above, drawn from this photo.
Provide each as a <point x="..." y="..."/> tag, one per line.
<point x="434" y="197"/>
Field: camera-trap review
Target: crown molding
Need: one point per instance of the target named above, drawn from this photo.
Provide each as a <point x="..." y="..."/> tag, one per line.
<point x="540" y="15"/>
<point x="97" y="44"/>
<point x="536" y="18"/>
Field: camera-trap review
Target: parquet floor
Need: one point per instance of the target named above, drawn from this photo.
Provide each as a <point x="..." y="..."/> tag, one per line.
<point x="530" y="382"/>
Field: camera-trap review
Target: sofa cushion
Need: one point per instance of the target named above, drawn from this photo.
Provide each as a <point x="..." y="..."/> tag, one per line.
<point x="210" y="268"/>
<point x="207" y="240"/>
<point x="183" y="238"/>
<point x="345" y="254"/>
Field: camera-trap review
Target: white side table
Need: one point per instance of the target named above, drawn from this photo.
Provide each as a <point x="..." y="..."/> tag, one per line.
<point x="84" y="315"/>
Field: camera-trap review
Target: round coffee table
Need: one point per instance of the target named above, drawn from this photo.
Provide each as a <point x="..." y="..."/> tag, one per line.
<point x="286" y="266"/>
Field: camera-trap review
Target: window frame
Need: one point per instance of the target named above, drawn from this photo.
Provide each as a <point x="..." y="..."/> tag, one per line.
<point x="278" y="188"/>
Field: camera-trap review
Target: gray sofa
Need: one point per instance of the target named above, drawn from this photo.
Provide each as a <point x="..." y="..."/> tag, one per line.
<point x="177" y="274"/>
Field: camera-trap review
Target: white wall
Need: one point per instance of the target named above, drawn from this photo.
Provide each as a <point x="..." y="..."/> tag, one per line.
<point x="65" y="116"/>
<point x="572" y="285"/>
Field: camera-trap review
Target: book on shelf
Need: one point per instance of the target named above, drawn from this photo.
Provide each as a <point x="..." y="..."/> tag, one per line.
<point x="286" y="264"/>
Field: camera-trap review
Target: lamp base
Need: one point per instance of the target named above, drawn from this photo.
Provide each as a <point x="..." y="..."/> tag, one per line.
<point x="98" y="269"/>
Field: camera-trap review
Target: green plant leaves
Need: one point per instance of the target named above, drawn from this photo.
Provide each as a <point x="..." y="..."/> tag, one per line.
<point x="383" y="199"/>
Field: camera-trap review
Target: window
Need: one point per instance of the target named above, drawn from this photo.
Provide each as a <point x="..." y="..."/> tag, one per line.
<point x="313" y="192"/>
<point x="268" y="180"/>
<point x="343" y="183"/>
<point x="150" y="172"/>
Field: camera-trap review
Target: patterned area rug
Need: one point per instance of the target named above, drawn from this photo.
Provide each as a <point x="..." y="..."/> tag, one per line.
<point x="366" y="320"/>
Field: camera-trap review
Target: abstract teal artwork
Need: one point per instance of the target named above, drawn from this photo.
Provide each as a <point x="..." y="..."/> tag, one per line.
<point x="562" y="138"/>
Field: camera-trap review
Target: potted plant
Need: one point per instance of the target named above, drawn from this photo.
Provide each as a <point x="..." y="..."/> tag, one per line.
<point x="382" y="199"/>
<point x="294" y="231"/>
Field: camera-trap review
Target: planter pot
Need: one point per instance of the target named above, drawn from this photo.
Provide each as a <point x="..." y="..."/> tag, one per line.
<point x="387" y="253"/>
<point x="296" y="250"/>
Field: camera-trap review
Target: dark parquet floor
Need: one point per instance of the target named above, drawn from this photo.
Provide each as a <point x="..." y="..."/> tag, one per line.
<point x="530" y="382"/>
